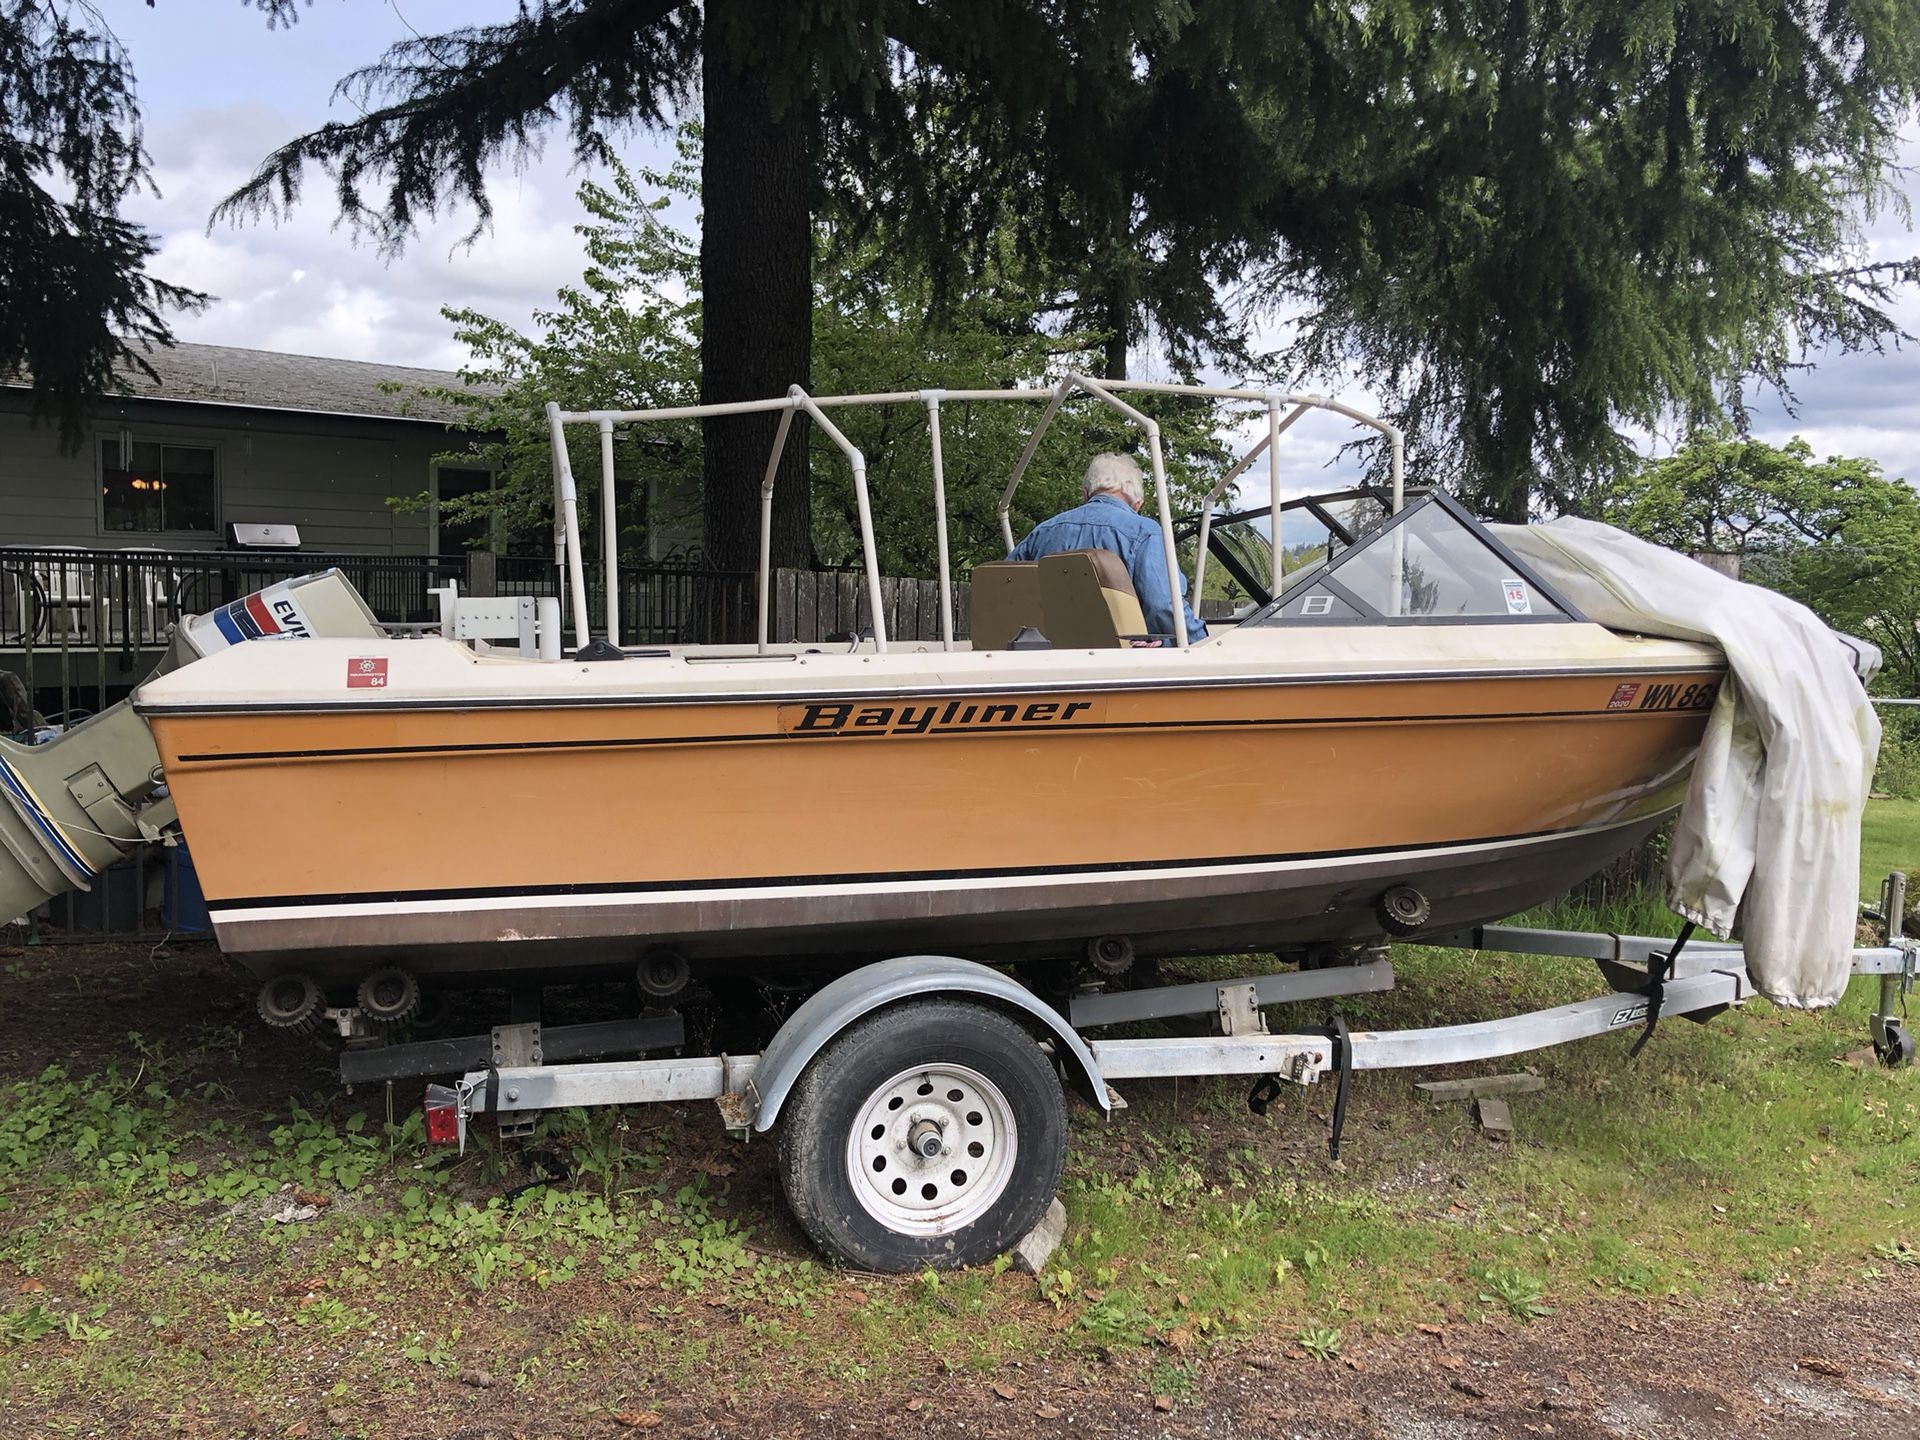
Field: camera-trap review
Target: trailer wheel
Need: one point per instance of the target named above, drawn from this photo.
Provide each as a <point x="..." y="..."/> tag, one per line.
<point x="931" y="1133"/>
<point x="291" y="1002"/>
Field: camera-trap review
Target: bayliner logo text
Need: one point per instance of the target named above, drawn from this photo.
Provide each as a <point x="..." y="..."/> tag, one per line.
<point x="849" y="717"/>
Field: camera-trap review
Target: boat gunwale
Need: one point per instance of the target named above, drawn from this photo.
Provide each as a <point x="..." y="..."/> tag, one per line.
<point x="1602" y="666"/>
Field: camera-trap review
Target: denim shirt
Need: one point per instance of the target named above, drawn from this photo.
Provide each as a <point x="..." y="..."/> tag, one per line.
<point x="1107" y="522"/>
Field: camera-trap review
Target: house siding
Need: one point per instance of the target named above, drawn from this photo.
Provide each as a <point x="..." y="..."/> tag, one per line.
<point x="330" y="475"/>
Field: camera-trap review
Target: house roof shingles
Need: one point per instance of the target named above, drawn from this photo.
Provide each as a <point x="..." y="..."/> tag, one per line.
<point x="299" y="384"/>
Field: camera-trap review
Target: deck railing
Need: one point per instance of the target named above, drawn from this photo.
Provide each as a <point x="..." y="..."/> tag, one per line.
<point x="661" y="604"/>
<point x="80" y="626"/>
<point x="83" y="626"/>
<point x="685" y="605"/>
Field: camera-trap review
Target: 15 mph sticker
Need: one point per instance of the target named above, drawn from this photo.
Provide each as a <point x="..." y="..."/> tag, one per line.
<point x="367" y="672"/>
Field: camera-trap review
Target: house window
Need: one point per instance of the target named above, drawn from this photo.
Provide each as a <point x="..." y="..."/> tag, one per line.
<point x="149" y="488"/>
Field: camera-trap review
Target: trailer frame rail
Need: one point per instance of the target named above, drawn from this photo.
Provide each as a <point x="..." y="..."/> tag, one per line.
<point x="1653" y="976"/>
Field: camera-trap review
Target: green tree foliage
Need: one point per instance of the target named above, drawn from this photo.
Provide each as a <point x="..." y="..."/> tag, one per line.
<point x="77" y="308"/>
<point x="627" y="337"/>
<point x="1105" y="146"/>
<point x="1569" y="214"/>
<point x="1106" y="133"/>
<point x="1730" y="494"/>
<point x="878" y="330"/>
<point x="1525" y="223"/>
<point x="1834" y="534"/>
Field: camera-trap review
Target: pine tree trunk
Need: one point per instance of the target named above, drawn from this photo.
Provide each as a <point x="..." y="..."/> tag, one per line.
<point x="756" y="272"/>
<point x="1118" y="312"/>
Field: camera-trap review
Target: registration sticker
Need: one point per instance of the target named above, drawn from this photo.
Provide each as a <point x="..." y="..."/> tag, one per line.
<point x="1519" y="602"/>
<point x="367" y="672"/>
<point x="1623" y="697"/>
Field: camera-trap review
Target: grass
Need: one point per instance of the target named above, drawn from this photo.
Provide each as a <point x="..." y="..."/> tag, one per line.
<point x="142" y="1271"/>
<point x="1889" y="840"/>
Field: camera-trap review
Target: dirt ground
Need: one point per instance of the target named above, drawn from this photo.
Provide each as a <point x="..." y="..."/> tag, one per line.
<point x="1846" y="1367"/>
<point x="1766" y="1363"/>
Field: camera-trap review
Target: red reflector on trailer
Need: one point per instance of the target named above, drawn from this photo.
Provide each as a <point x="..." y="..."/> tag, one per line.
<point x="443" y="1116"/>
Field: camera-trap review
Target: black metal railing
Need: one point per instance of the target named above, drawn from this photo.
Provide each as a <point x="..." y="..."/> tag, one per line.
<point x="82" y="626"/>
<point x="660" y="604"/>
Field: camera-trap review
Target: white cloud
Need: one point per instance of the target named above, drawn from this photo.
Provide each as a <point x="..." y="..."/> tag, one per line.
<point x="308" y="286"/>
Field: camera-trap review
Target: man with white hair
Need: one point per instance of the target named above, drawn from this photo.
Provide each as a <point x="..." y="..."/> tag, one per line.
<point x="1111" y="520"/>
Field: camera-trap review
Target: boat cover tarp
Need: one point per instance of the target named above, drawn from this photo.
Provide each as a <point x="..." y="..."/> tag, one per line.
<point x="1769" y="834"/>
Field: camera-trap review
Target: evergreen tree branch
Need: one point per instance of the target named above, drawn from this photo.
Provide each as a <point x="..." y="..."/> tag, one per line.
<point x="439" y="110"/>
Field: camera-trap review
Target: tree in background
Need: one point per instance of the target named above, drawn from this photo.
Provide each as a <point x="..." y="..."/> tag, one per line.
<point x="794" y="97"/>
<point x="1524" y="223"/>
<point x="1570" y="214"/>
<point x="873" y="334"/>
<point x="1834" y="534"/>
<point x="627" y="337"/>
<point x="77" y="308"/>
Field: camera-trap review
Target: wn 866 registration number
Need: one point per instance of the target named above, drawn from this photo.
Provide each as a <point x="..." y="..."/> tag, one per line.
<point x="1694" y="695"/>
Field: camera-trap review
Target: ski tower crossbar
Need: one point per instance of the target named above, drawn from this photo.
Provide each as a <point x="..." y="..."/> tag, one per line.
<point x="570" y="560"/>
<point x="1652" y="976"/>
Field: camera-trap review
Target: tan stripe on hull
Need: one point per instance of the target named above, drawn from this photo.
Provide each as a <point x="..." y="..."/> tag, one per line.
<point x="662" y="794"/>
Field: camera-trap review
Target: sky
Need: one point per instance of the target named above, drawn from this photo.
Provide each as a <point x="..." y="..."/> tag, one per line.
<point x="220" y="89"/>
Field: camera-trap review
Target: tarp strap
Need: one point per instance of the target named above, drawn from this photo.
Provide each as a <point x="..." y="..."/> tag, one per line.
<point x="1343" y="1071"/>
<point x="1659" y="970"/>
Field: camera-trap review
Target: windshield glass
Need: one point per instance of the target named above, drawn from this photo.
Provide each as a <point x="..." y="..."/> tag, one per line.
<point x="1240" y="566"/>
<point x="1444" y="571"/>
<point x="1445" y="568"/>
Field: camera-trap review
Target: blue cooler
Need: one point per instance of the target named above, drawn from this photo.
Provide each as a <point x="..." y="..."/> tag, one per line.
<point x="185" y="908"/>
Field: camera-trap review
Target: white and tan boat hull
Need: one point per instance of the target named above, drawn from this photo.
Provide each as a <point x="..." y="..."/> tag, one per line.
<point x="828" y="809"/>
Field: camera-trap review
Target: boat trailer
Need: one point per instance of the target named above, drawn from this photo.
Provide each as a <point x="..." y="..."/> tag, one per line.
<point x="933" y="1044"/>
<point x="1697" y="983"/>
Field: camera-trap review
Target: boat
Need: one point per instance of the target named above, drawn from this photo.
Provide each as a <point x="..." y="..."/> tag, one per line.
<point x="1409" y="733"/>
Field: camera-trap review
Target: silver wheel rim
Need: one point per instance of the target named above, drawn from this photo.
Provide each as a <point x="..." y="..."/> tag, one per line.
<point x="955" y="1113"/>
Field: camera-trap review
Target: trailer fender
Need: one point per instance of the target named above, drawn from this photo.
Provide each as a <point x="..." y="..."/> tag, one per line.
<point x="829" y="1010"/>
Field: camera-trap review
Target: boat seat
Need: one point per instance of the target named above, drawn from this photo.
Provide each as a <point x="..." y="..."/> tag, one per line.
<point x="1005" y="596"/>
<point x="1078" y="599"/>
<point x="1088" y="600"/>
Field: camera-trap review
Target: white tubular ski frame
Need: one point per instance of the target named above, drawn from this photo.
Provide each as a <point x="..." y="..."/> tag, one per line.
<point x="570" y="560"/>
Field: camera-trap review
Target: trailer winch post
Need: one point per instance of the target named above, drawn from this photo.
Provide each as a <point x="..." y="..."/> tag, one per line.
<point x="1892" y="1041"/>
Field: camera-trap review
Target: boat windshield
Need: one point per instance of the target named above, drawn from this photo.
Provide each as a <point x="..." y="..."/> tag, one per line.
<point x="1237" y="565"/>
<point x="1433" y="563"/>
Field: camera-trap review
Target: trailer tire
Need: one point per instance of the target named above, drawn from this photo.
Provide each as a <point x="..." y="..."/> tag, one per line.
<point x="931" y="1133"/>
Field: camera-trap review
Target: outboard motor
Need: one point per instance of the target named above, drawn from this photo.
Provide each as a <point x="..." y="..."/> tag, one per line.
<point x="80" y="802"/>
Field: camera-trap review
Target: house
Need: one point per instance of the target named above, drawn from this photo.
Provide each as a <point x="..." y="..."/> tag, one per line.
<point x="186" y="489"/>
<point x="227" y="437"/>
<point x="156" y="514"/>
